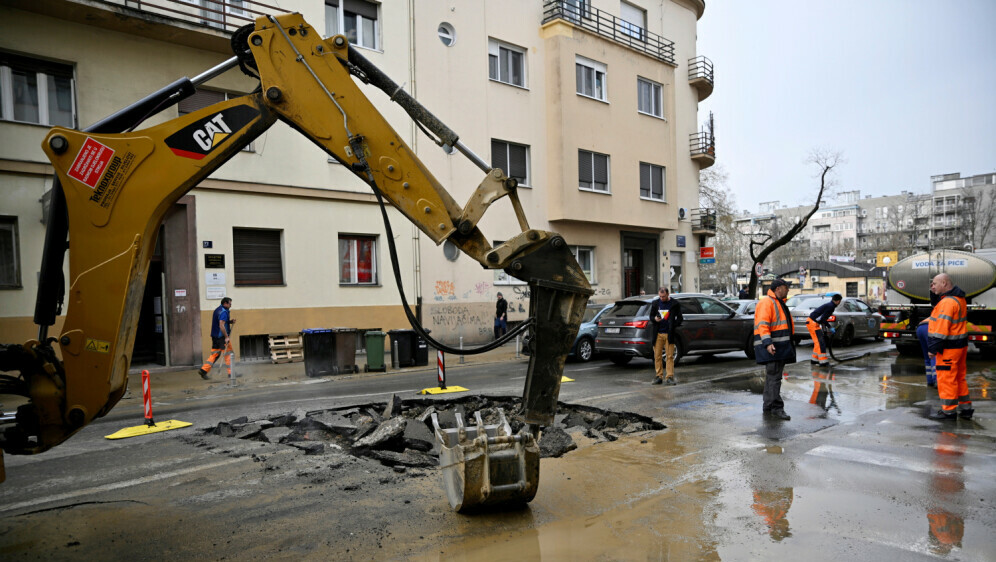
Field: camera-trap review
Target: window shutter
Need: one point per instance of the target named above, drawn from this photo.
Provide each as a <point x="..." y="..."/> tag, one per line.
<point x="258" y="258"/>
<point x="584" y="166"/>
<point x="658" y="182"/>
<point x="601" y="169"/>
<point x="517" y="161"/>
<point x="200" y="100"/>
<point x="361" y="8"/>
<point x="499" y="156"/>
<point x="644" y="180"/>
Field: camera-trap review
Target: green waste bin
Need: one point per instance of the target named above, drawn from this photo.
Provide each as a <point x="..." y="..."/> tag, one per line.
<point x="375" y="351"/>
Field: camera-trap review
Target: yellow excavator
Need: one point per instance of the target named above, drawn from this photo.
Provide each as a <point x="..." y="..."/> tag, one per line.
<point x="114" y="184"/>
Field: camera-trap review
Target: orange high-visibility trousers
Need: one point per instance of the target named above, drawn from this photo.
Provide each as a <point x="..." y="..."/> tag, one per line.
<point x="213" y="358"/>
<point x="951" y="385"/>
<point x="819" y="345"/>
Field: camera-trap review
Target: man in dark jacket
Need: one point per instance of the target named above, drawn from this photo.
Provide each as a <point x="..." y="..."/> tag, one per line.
<point x="773" y="345"/>
<point x="665" y="317"/>
<point x="815" y="324"/>
<point x="501" y="317"/>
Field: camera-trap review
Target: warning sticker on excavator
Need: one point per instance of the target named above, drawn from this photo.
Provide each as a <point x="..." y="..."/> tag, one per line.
<point x="91" y="162"/>
<point x="97" y="345"/>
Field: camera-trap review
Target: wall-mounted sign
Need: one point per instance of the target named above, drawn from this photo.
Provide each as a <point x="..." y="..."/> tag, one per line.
<point x="215" y="293"/>
<point x="214" y="278"/>
<point x="179" y="292"/>
<point x="207" y="244"/>
<point x="214" y="261"/>
<point x="707" y="252"/>
<point x="680" y="241"/>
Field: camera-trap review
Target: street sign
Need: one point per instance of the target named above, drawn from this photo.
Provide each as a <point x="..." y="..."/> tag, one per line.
<point x="708" y="252"/>
<point x="758" y="268"/>
<point x="707" y="260"/>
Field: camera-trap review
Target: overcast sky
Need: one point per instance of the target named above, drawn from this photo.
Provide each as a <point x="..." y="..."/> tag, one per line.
<point x="905" y="89"/>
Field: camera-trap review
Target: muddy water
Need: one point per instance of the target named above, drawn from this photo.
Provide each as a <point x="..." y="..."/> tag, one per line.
<point x="636" y="498"/>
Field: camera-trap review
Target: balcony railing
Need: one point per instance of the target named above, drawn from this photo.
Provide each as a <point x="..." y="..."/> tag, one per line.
<point x="223" y="15"/>
<point x="704" y="221"/>
<point x="580" y="13"/>
<point x="700" y="75"/>
<point x="702" y="147"/>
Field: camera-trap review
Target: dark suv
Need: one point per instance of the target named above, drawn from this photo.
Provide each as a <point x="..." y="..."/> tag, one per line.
<point x="625" y="331"/>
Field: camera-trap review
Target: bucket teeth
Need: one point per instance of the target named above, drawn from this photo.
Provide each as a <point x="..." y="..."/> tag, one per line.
<point x="486" y="465"/>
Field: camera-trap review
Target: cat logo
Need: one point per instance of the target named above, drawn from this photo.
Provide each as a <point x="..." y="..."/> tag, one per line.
<point x="198" y="139"/>
<point x="98" y="346"/>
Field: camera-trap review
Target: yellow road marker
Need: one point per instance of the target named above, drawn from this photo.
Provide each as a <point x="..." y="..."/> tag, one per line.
<point x="438" y="390"/>
<point x="147" y="429"/>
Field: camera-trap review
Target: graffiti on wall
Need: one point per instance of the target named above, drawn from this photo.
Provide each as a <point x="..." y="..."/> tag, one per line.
<point x="444" y="290"/>
<point x="468" y="320"/>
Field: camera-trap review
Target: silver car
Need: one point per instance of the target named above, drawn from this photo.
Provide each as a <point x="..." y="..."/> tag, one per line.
<point x="852" y="319"/>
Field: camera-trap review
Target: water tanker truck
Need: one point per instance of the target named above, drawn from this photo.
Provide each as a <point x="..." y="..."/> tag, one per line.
<point x="908" y="295"/>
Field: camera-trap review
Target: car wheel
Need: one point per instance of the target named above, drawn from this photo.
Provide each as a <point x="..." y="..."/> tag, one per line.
<point x="749" y="350"/>
<point x="848" y="336"/>
<point x="679" y="351"/>
<point x="586" y="348"/>
<point x="621" y="359"/>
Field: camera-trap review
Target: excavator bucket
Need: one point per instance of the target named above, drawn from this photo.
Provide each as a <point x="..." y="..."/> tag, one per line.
<point x="486" y="465"/>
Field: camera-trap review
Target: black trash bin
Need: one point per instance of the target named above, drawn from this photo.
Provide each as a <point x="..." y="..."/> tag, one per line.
<point x="421" y="350"/>
<point x="405" y="340"/>
<point x="345" y="351"/>
<point x="319" y="352"/>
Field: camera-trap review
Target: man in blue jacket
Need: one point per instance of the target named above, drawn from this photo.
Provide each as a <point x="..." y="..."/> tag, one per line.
<point x="665" y="317"/>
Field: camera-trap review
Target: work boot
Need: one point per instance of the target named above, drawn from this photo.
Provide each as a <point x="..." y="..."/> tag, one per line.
<point x="932" y="382"/>
<point x="780" y="414"/>
<point x="203" y="374"/>
<point x="657" y="380"/>
<point x="670" y="381"/>
<point x="814" y="362"/>
<point x="944" y="416"/>
<point x="966" y="414"/>
<point x="825" y="364"/>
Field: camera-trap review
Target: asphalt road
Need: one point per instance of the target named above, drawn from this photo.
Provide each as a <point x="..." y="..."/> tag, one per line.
<point x="859" y="472"/>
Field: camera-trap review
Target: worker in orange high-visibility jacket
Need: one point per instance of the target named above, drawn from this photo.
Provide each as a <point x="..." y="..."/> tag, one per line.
<point x="947" y="343"/>
<point x="815" y="323"/>
<point x="773" y="345"/>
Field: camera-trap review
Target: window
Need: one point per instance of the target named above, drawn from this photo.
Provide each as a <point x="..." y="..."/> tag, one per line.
<point x="506" y="63"/>
<point x="513" y="159"/>
<point x="649" y="98"/>
<point x="10" y="266"/>
<point x="205" y="98"/>
<point x="586" y="259"/>
<point x="446" y="34"/>
<point x="651" y="182"/>
<point x="590" y="78"/>
<point x="574" y="10"/>
<point x="356" y="19"/>
<point x="213" y="13"/>
<point x="357" y="260"/>
<point x="35" y="91"/>
<point x="258" y="257"/>
<point x="633" y="20"/>
<point x="593" y="171"/>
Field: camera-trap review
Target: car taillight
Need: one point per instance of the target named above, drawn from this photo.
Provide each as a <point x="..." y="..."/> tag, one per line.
<point x="833" y="318"/>
<point x="978" y="338"/>
<point x="637" y="324"/>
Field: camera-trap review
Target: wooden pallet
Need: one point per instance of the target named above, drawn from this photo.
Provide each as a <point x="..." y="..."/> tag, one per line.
<point x="288" y="341"/>
<point x="286" y="355"/>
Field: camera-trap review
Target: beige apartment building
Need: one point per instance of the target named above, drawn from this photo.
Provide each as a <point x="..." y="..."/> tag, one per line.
<point x="591" y="105"/>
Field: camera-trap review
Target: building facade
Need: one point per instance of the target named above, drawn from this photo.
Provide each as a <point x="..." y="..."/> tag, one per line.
<point x="556" y="93"/>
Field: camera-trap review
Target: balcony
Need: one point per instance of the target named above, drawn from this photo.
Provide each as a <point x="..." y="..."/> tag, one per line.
<point x="202" y="24"/>
<point x="580" y="14"/>
<point x="700" y="76"/>
<point x="704" y="221"/>
<point x="702" y="147"/>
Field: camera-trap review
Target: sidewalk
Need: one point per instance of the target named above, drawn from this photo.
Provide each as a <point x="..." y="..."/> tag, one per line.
<point x="174" y="382"/>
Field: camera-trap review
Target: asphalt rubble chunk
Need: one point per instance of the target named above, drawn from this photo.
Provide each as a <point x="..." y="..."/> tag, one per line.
<point x="399" y="434"/>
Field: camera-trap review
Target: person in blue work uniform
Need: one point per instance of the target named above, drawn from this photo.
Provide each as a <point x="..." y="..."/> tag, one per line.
<point x="921" y="335"/>
<point x="815" y="323"/>
<point x="221" y="338"/>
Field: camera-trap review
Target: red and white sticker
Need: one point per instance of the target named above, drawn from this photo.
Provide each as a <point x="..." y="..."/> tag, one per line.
<point x="91" y="162"/>
<point x="901" y="284"/>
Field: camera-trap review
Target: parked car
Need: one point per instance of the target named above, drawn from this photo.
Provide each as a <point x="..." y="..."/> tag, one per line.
<point x="852" y="319"/>
<point x="625" y="330"/>
<point x="584" y="344"/>
<point x="743" y="306"/>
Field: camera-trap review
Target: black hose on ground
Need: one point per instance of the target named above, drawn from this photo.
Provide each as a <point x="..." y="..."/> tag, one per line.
<point x="828" y="337"/>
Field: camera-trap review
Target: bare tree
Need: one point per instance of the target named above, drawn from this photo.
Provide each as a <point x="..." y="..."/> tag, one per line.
<point x="982" y="219"/>
<point x="714" y="194"/>
<point x="762" y="244"/>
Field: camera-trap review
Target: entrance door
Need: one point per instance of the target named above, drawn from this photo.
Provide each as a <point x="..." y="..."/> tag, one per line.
<point x="676" y="283"/>
<point x="632" y="272"/>
<point x="150" y="342"/>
